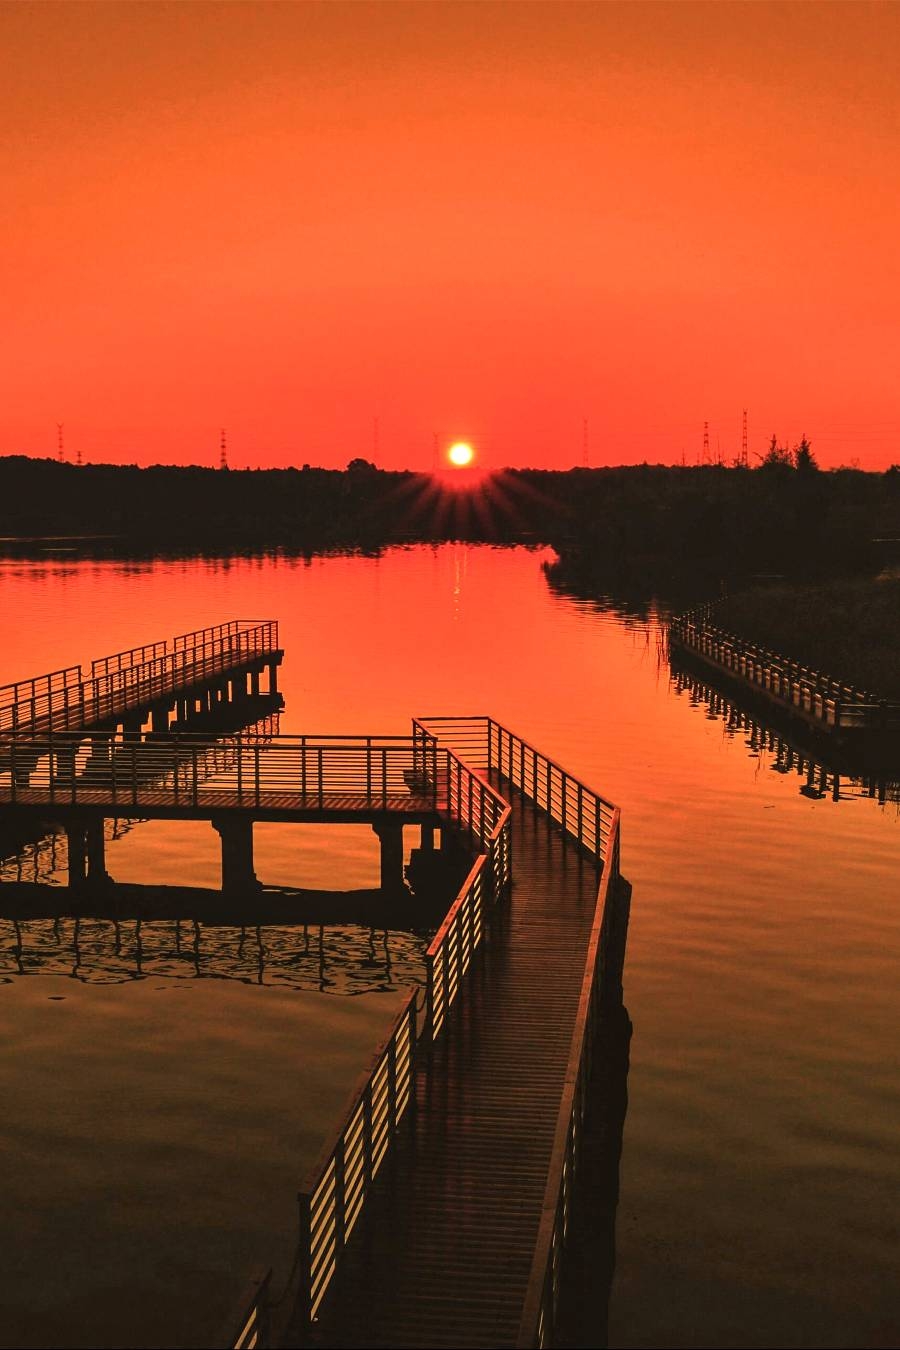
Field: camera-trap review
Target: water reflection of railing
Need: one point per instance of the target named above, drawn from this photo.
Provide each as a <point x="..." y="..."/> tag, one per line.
<point x="823" y="774"/>
<point x="68" y="698"/>
<point x="336" y="958"/>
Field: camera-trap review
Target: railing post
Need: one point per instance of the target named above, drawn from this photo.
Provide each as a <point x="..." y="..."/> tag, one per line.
<point x="194" y="774"/>
<point x="256" y="773"/>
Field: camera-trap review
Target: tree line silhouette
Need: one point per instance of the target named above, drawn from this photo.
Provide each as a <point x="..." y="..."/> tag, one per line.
<point x="640" y="525"/>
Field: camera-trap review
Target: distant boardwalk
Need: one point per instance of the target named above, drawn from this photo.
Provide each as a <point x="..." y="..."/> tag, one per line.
<point x="156" y="678"/>
<point x="823" y="703"/>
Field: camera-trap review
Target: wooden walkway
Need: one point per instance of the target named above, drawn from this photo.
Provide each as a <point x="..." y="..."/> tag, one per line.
<point x="444" y="1249"/>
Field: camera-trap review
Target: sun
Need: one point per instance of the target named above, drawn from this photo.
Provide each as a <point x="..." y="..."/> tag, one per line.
<point x="461" y="455"/>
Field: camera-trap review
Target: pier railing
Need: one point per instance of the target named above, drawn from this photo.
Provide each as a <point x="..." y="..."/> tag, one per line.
<point x="542" y="1300"/>
<point x="594" y="824"/>
<point x="834" y="703"/>
<point x="139" y="676"/>
<point x="481" y="812"/>
<point x="486" y="745"/>
<point x="333" y="1197"/>
<point x="245" y="770"/>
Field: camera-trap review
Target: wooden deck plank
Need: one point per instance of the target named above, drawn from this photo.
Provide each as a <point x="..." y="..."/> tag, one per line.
<point x="443" y="1252"/>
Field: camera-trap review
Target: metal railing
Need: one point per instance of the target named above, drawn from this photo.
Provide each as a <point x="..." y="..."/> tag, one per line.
<point x="835" y="703"/>
<point x="193" y="771"/>
<point x="333" y="1198"/>
<point x="593" y="823"/>
<point x="476" y="808"/>
<point x="134" y="656"/>
<point x="134" y="678"/>
<point x="538" y="1320"/>
<point x="249" y="1327"/>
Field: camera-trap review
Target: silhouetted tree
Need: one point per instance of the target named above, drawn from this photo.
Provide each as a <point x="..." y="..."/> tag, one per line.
<point x="804" y="459"/>
<point x="777" y="456"/>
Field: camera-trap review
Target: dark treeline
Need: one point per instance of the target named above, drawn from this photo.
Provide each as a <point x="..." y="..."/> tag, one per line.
<point x="633" y="526"/>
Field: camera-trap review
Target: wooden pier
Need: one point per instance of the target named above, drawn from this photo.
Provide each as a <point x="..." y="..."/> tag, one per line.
<point x="439" y="1212"/>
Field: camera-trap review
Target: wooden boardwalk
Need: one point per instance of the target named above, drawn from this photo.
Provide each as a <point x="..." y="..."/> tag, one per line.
<point x="444" y="1249"/>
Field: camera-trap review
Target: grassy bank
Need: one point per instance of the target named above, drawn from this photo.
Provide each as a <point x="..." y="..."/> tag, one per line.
<point x="847" y="629"/>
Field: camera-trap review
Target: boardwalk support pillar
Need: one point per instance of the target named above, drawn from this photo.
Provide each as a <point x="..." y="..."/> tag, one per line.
<point x="159" y="719"/>
<point x="390" y="836"/>
<point x="236" y="833"/>
<point x="272" y="668"/>
<point x="87" y="853"/>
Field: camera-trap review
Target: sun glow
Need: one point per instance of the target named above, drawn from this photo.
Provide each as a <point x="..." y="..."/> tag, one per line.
<point x="461" y="455"/>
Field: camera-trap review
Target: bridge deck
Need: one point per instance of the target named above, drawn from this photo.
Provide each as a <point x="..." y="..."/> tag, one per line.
<point x="444" y="1249"/>
<point x="157" y="803"/>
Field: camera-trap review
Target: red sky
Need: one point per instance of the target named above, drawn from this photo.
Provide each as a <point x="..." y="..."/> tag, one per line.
<point x="483" y="220"/>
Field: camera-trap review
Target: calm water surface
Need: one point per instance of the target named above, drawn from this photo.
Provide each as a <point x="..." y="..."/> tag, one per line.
<point x="759" y="1163"/>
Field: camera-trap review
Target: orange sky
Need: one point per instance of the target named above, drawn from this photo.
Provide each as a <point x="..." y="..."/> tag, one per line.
<point x="483" y="220"/>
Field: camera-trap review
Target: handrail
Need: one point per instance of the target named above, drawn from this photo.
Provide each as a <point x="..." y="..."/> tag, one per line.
<point x="834" y="702"/>
<point x="248" y="1327"/>
<point x="594" y="824"/>
<point x="537" y="1324"/>
<point x="371" y="773"/>
<point x="332" y="1199"/>
<point x="121" y="681"/>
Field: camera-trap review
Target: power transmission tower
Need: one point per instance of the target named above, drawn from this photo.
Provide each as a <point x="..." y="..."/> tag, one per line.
<point x="223" y="451"/>
<point x="705" y="442"/>
<point x="745" y="458"/>
<point x="60" y="454"/>
<point x="78" y="457"/>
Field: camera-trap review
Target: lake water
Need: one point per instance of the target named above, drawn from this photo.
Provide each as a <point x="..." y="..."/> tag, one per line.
<point x="759" y="1161"/>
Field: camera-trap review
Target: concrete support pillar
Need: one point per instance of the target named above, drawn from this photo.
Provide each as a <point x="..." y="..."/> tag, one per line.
<point x="75" y="836"/>
<point x="390" y="836"/>
<point x="95" y="852"/>
<point x="273" y="677"/>
<point x="254" y="683"/>
<point x="159" y="719"/>
<point x="132" y="724"/>
<point x="236" y="833"/>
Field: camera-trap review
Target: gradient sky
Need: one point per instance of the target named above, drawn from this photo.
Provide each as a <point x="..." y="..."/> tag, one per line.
<point x="479" y="220"/>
